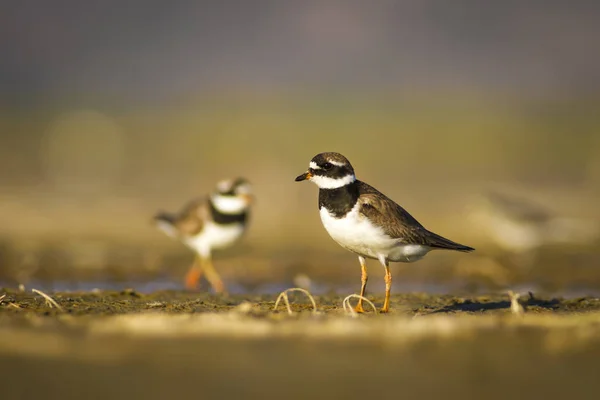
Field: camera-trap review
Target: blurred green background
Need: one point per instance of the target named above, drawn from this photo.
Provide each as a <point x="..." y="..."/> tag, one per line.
<point x="110" y="111"/>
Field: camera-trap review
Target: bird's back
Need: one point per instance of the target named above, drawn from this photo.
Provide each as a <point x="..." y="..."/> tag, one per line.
<point x="188" y="222"/>
<point x="399" y="223"/>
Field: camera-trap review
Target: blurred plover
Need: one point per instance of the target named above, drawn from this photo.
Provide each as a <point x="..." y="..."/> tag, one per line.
<point x="366" y="222"/>
<point x="519" y="225"/>
<point x="216" y="221"/>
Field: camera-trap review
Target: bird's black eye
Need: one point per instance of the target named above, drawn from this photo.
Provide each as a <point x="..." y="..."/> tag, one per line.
<point x="327" y="166"/>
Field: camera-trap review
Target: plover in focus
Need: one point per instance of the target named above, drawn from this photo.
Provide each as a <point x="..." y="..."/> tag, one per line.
<point x="366" y="222"/>
<point x="216" y="221"/>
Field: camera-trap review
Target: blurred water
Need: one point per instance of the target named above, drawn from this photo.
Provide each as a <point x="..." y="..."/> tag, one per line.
<point x="316" y="288"/>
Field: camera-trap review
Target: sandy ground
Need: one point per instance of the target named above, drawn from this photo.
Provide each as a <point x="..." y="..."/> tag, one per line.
<point x="164" y="344"/>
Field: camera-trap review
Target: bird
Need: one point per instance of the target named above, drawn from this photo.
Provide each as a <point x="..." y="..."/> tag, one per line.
<point x="519" y="225"/>
<point x="366" y="222"/>
<point x="215" y="221"/>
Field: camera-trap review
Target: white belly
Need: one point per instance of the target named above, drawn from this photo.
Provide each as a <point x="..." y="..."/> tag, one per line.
<point x="215" y="236"/>
<point x="356" y="233"/>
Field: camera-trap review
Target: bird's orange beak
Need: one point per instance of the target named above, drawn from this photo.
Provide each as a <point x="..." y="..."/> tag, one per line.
<point x="304" y="176"/>
<point x="248" y="198"/>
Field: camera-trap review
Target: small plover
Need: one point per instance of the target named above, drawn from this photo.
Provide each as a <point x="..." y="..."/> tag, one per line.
<point x="216" y="221"/>
<point x="519" y="225"/>
<point x="366" y="222"/>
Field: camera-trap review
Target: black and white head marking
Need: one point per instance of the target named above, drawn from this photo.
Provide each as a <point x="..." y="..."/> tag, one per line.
<point x="329" y="171"/>
<point x="334" y="175"/>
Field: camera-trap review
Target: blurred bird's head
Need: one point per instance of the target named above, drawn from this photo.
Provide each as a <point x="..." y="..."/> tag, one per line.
<point x="232" y="196"/>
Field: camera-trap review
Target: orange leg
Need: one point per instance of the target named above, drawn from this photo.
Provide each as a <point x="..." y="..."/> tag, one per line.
<point x="192" y="278"/>
<point x="213" y="277"/>
<point x="388" y="287"/>
<point x="363" y="287"/>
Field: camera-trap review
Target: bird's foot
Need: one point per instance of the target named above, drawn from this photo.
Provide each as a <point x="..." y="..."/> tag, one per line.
<point x="359" y="308"/>
<point x="219" y="287"/>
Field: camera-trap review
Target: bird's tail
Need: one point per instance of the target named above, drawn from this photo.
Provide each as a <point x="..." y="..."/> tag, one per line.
<point x="166" y="223"/>
<point x="439" y="242"/>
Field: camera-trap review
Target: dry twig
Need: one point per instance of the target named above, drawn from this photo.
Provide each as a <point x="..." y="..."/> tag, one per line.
<point x="283" y="295"/>
<point x="50" y="302"/>
<point x="348" y="307"/>
<point x="515" y="307"/>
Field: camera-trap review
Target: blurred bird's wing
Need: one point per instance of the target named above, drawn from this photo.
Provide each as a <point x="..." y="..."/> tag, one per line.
<point x="193" y="217"/>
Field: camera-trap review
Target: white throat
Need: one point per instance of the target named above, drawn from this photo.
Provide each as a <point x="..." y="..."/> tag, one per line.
<point x="229" y="204"/>
<point x="324" y="182"/>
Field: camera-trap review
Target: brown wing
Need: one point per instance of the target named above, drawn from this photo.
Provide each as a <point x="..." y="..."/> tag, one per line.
<point x="395" y="221"/>
<point x="190" y="221"/>
<point x="398" y="223"/>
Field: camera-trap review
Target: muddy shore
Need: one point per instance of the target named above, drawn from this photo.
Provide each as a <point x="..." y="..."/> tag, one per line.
<point x="106" y="303"/>
<point x="125" y="344"/>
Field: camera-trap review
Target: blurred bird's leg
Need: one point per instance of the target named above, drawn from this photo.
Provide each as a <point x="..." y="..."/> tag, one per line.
<point x="212" y="276"/>
<point x="363" y="280"/>
<point x="192" y="278"/>
<point x="388" y="285"/>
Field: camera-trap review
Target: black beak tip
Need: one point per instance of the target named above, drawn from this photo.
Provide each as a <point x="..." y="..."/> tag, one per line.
<point x="302" y="177"/>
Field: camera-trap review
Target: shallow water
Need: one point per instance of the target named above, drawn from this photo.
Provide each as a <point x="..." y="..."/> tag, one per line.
<point x="148" y="286"/>
<point x="317" y="288"/>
